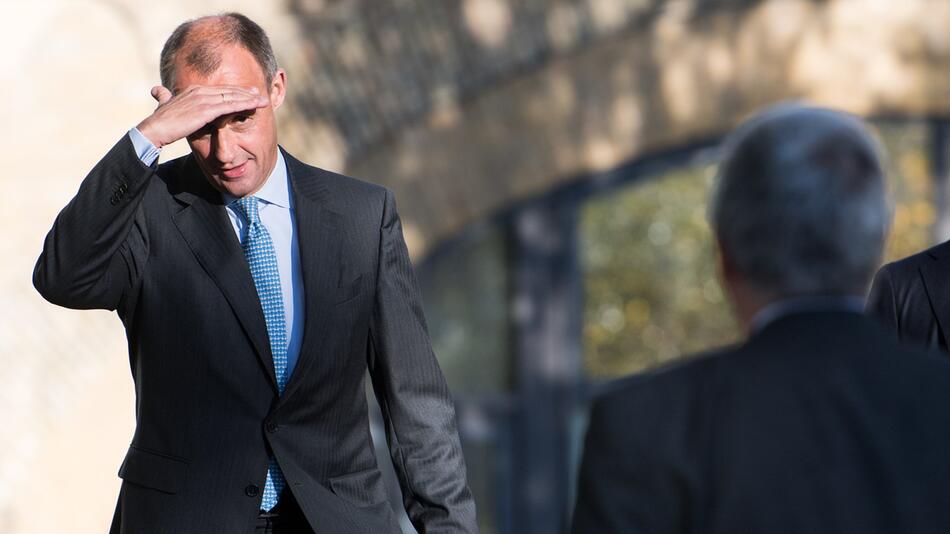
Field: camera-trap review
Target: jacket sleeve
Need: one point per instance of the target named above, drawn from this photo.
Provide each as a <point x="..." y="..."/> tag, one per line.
<point x="97" y="246"/>
<point x="626" y="485"/>
<point x="881" y="303"/>
<point x="413" y="395"/>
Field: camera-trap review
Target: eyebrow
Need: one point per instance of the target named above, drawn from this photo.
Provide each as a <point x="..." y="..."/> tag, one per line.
<point x="224" y="119"/>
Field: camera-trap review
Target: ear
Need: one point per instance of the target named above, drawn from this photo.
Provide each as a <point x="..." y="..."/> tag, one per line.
<point x="278" y="88"/>
<point x="732" y="286"/>
<point x="746" y="298"/>
<point x="727" y="268"/>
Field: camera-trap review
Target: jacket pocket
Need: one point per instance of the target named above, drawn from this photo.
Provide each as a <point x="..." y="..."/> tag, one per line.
<point x="153" y="470"/>
<point x="349" y="290"/>
<point x="363" y="488"/>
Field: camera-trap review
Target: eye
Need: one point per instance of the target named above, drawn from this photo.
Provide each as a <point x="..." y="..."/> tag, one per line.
<point x="204" y="131"/>
<point x="241" y="118"/>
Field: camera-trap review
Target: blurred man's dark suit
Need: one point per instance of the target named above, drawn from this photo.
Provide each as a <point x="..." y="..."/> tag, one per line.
<point x="156" y="245"/>
<point x="912" y="297"/>
<point x="820" y="423"/>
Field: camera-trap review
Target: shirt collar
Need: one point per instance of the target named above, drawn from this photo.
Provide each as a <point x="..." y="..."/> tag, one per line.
<point x="790" y="306"/>
<point x="276" y="189"/>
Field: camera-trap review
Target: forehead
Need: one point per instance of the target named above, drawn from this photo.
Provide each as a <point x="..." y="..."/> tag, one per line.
<point x="237" y="67"/>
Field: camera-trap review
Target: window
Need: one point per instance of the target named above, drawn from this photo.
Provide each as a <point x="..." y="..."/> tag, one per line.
<point x="465" y="291"/>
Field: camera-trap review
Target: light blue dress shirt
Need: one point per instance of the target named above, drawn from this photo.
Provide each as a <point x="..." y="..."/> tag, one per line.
<point x="276" y="207"/>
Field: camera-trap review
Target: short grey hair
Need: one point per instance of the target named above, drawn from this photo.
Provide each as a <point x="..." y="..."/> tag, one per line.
<point x="204" y="53"/>
<point x="800" y="205"/>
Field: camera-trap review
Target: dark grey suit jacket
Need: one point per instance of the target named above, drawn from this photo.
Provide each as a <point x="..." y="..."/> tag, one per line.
<point x="155" y="244"/>
<point x="912" y="297"/>
<point x="820" y="423"/>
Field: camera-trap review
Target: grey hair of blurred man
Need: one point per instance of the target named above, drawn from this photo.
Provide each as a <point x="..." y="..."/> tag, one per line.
<point x="800" y="206"/>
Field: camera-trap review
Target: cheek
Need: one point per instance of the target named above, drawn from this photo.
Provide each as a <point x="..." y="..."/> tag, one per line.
<point x="259" y="140"/>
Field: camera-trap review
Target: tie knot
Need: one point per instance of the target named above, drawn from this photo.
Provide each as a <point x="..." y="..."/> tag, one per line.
<point x="248" y="207"/>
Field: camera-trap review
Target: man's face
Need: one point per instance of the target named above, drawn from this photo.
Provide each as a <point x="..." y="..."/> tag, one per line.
<point x="236" y="152"/>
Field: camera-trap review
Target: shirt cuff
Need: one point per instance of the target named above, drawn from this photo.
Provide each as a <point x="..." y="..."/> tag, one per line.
<point x="146" y="151"/>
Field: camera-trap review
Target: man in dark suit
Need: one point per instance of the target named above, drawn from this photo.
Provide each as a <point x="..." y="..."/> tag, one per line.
<point x="256" y="291"/>
<point x="912" y="297"/>
<point x="820" y="422"/>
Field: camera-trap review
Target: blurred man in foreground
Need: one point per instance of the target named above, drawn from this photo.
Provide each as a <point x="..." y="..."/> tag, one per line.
<point x="820" y="422"/>
<point x="256" y="292"/>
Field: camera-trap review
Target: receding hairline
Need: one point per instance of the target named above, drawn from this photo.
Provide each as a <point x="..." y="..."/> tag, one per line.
<point x="197" y="44"/>
<point x="214" y="29"/>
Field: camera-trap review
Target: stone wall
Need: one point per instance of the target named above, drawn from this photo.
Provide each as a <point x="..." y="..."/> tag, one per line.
<point x="682" y="78"/>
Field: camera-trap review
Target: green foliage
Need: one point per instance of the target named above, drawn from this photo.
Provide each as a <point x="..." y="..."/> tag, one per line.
<point x="910" y="186"/>
<point x="650" y="275"/>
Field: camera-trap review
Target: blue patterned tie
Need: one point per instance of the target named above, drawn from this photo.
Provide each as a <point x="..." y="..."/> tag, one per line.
<point x="261" y="257"/>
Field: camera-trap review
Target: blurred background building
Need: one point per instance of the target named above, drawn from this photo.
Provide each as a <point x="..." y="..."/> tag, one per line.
<point x="551" y="159"/>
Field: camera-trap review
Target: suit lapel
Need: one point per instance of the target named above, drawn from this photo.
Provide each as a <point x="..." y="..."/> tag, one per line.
<point x="318" y="238"/>
<point x="204" y="224"/>
<point x="934" y="275"/>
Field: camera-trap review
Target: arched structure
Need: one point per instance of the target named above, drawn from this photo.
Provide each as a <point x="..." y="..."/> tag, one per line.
<point x="664" y="75"/>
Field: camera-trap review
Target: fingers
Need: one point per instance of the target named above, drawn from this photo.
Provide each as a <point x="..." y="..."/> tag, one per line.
<point x="223" y="92"/>
<point x="225" y="103"/>
<point x="225" y="99"/>
<point x="161" y="94"/>
<point x="189" y="110"/>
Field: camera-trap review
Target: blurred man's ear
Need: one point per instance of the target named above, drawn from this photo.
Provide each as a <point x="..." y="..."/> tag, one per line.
<point x="745" y="300"/>
<point x="727" y="268"/>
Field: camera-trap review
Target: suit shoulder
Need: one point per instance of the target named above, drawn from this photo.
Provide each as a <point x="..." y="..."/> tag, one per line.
<point x="900" y="268"/>
<point x="333" y="182"/>
<point x="353" y="186"/>
<point x="656" y="413"/>
<point x="677" y="384"/>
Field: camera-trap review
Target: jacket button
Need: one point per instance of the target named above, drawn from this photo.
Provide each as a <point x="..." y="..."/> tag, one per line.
<point x="251" y="490"/>
<point x="271" y="427"/>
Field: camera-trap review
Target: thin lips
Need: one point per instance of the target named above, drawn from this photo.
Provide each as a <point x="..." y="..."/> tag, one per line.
<point x="225" y="171"/>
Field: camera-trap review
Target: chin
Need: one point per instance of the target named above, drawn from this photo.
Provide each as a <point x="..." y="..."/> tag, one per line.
<point x="238" y="189"/>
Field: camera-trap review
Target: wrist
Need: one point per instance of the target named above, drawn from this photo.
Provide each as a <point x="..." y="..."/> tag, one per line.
<point x="145" y="128"/>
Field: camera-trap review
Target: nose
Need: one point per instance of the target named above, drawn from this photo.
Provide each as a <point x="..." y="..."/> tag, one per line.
<point x="223" y="145"/>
